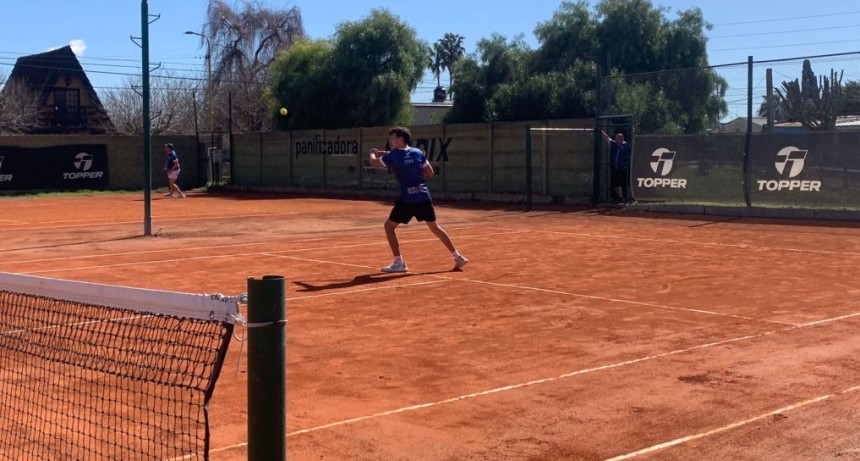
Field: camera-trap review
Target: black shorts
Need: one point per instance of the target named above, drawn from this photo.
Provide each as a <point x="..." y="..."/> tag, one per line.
<point x="618" y="178"/>
<point x="404" y="212"/>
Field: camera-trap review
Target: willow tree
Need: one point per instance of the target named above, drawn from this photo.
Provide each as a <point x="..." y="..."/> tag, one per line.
<point x="245" y="43"/>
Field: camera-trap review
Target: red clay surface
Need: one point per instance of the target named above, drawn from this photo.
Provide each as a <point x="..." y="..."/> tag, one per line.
<point x="571" y="335"/>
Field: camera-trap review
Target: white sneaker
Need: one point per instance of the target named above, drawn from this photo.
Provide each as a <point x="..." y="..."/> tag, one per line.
<point x="181" y="195"/>
<point x="460" y="261"/>
<point x="395" y="267"/>
<point x="168" y="194"/>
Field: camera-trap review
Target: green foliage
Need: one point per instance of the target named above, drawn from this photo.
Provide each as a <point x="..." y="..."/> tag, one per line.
<point x="505" y="80"/>
<point x="850" y="99"/>
<point x="301" y="75"/>
<point x="363" y="77"/>
<point x="566" y="39"/>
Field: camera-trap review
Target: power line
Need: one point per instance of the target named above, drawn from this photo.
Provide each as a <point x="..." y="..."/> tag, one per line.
<point x="784" y="45"/>
<point x="787" y="19"/>
<point x="784" y="32"/>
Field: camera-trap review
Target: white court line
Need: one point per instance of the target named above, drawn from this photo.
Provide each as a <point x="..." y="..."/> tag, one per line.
<point x="569" y="375"/>
<point x="544" y="290"/>
<point x="361" y="266"/>
<point x="731" y="426"/>
<point x="222" y="246"/>
<point x="159" y="219"/>
<point x="572" y="374"/>
<point x="625" y="301"/>
<point x="693" y="242"/>
<point x="518" y="287"/>
<point x="349" y="292"/>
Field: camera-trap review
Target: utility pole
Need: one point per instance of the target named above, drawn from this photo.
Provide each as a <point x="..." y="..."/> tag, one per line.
<point x="209" y="98"/>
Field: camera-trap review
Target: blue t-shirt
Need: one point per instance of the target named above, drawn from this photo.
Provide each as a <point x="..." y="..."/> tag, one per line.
<point x="619" y="155"/>
<point x="171" y="160"/>
<point x="407" y="164"/>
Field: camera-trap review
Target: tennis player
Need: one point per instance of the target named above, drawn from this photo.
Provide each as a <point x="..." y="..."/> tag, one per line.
<point x="410" y="166"/>
<point x="171" y="167"/>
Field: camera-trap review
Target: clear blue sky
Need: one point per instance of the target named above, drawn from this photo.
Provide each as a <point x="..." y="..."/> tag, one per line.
<point x="100" y="30"/>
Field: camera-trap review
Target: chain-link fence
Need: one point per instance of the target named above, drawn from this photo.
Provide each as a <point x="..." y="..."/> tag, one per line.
<point x="806" y="92"/>
<point x="777" y="133"/>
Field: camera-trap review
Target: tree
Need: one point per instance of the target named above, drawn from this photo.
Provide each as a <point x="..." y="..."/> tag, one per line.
<point x="498" y="62"/>
<point x="624" y="37"/>
<point x="19" y="106"/>
<point x="570" y="36"/>
<point x="437" y="65"/>
<point x="245" y="44"/>
<point x="303" y="76"/>
<point x="172" y="105"/>
<point x="451" y="46"/>
<point x="851" y="98"/>
<point x="815" y="103"/>
<point x="370" y="69"/>
<point x="632" y="33"/>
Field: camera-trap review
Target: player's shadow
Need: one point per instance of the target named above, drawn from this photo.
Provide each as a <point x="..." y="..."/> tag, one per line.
<point x="358" y="280"/>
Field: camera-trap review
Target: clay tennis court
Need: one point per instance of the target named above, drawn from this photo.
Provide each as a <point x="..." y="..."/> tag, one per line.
<point x="573" y="334"/>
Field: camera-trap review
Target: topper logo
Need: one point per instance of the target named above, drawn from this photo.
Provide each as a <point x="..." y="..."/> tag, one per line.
<point x="83" y="161"/>
<point x="662" y="161"/>
<point x="789" y="163"/>
<point x="790" y="157"/>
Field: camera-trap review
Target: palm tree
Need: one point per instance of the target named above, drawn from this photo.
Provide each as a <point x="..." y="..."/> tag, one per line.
<point x="452" y="44"/>
<point x="437" y="65"/>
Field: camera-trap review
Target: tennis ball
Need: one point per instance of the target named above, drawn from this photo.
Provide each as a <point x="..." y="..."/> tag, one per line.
<point x="283" y="111"/>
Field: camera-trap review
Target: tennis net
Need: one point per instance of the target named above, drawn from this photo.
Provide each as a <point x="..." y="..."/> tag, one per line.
<point x="90" y="371"/>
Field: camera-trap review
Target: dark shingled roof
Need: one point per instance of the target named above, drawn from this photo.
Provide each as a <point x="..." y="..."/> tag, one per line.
<point x="42" y="70"/>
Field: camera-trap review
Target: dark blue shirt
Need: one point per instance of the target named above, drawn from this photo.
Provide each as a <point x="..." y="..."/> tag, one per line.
<point x="619" y="155"/>
<point x="171" y="160"/>
<point x="407" y="165"/>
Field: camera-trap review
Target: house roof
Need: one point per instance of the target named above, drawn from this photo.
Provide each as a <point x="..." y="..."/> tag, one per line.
<point x="41" y="71"/>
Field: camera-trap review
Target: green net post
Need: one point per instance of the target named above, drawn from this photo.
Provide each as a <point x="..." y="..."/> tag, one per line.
<point x="267" y="369"/>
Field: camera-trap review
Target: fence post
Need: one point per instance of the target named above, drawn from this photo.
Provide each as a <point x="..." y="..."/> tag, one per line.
<point x="747" y="138"/>
<point x="598" y="139"/>
<point x="528" y="168"/>
<point x="267" y="369"/>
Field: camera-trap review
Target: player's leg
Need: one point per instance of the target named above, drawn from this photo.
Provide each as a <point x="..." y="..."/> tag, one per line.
<point x="170" y="186"/>
<point x="400" y="214"/>
<point x="176" y="186"/>
<point x="615" y="182"/>
<point x="427" y="213"/>
<point x="391" y="235"/>
<point x="441" y="235"/>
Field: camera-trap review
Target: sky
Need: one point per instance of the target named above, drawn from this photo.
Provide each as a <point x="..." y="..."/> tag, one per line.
<point x="101" y="31"/>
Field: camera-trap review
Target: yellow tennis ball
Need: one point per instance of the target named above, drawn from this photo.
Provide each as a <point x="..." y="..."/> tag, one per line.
<point x="283" y="111"/>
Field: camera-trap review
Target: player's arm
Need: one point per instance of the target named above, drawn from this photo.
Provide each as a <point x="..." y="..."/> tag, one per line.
<point x="605" y="136"/>
<point x="428" y="170"/>
<point x="374" y="160"/>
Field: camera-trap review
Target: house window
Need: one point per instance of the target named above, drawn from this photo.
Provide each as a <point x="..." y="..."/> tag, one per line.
<point x="67" y="107"/>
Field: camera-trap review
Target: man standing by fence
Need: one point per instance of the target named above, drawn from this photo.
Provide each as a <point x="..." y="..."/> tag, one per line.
<point x="619" y="161"/>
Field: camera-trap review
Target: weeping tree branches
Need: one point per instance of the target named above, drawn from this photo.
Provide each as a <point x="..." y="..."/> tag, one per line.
<point x="245" y="42"/>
